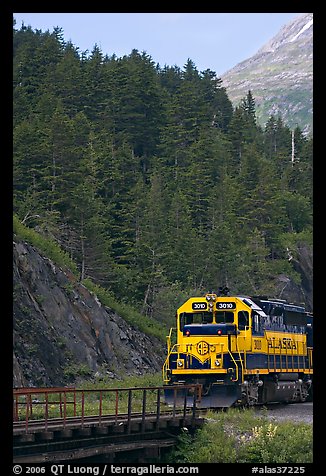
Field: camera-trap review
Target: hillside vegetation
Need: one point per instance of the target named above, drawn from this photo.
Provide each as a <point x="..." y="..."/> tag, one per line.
<point x="150" y="181"/>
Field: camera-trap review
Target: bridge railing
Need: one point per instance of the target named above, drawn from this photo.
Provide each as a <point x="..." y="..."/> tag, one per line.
<point x="63" y="404"/>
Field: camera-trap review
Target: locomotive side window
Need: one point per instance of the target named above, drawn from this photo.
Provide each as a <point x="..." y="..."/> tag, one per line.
<point x="243" y="320"/>
<point x="256" y="322"/>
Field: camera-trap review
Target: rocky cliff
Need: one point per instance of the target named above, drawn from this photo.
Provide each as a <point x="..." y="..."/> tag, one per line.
<point x="62" y="332"/>
<point x="298" y="293"/>
<point x="279" y="75"/>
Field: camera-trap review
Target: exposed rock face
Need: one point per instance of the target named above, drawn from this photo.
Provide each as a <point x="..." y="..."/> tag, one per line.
<point x="297" y="293"/>
<point x="62" y="332"/>
<point x="279" y="75"/>
<point x="303" y="264"/>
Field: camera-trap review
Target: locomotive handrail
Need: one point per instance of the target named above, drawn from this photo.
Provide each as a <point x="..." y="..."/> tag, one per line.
<point x="310" y="358"/>
<point x="236" y="366"/>
<point x="168" y="339"/>
<point x="240" y="360"/>
<point x="166" y="368"/>
<point x="244" y="367"/>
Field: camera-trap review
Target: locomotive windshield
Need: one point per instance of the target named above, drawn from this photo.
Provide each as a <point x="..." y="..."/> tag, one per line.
<point x="187" y="318"/>
<point x="219" y="317"/>
<point x="224" y="317"/>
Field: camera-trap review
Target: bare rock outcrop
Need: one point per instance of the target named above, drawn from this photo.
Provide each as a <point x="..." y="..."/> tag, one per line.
<point x="62" y="332"/>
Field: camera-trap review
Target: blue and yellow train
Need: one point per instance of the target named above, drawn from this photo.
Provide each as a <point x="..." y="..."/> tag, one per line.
<point x="240" y="350"/>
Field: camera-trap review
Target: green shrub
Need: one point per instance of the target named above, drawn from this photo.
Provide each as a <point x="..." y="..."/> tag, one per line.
<point x="73" y="371"/>
<point x="240" y="436"/>
<point x="285" y="442"/>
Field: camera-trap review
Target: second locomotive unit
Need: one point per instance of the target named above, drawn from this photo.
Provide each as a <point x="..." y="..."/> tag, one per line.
<point x="241" y="350"/>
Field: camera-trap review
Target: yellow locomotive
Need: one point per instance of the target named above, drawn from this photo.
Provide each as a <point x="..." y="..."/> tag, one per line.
<point x="241" y="350"/>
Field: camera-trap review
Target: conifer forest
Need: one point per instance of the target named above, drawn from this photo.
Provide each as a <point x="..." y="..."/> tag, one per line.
<point x="150" y="179"/>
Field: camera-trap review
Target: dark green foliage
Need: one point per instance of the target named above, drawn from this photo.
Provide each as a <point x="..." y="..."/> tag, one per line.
<point x="149" y="179"/>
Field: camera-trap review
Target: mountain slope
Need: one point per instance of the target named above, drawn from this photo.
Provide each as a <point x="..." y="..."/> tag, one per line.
<point x="279" y="75"/>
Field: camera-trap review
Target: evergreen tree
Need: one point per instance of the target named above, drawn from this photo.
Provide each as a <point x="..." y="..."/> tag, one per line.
<point x="249" y="106"/>
<point x="31" y="155"/>
<point x="151" y="241"/>
<point x="182" y="243"/>
<point x="270" y="143"/>
<point x="136" y="103"/>
<point x="237" y="136"/>
<point x="170" y="78"/>
<point x="94" y="85"/>
<point x="283" y="147"/>
<point x="262" y="204"/>
<point x="224" y="240"/>
<point x="243" y="129"/>
<point x="35" y="55"/>
<point x="66" y="81"/>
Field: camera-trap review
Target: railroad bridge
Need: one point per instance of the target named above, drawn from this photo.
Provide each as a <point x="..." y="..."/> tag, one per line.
<point x="111" y="425"/>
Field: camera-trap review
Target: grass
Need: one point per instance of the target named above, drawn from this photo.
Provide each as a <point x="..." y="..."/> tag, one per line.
<point x="240" y="436"/>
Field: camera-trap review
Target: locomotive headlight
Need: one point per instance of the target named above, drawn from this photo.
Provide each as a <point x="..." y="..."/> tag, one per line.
<point x="208" y="298"/>
<point x="217" y="363"/>
<point x="180" y="363"/>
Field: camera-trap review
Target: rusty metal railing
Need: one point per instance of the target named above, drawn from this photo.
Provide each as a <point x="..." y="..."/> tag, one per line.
<point x="64" y="404"/>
